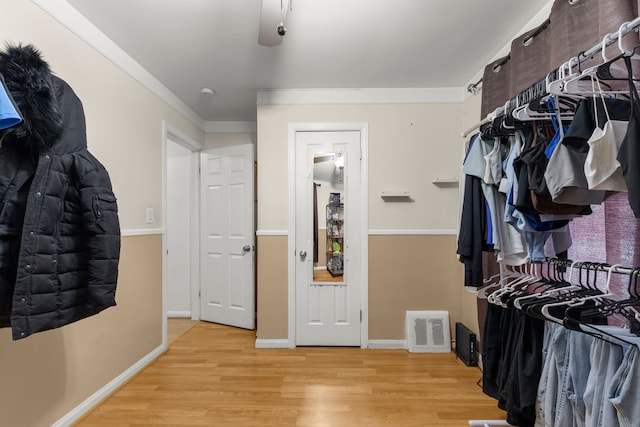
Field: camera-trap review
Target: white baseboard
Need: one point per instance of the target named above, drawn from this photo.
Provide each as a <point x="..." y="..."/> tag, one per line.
<point x="80" y="410"/>
<point x="388" y="344"/>
<point x="272" y="343"/>
<point x="179" y="314"/>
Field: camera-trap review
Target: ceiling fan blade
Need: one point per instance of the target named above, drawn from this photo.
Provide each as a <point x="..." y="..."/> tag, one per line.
<point x="270" y="17"/>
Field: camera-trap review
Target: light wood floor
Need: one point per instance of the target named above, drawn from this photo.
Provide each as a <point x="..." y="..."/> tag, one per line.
<point x="213" y="376"/>
<point x="177" y="326"/>
<point x="325" y="276"/>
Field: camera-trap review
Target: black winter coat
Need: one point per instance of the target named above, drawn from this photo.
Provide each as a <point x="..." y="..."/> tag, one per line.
<point x="59" y="229"/>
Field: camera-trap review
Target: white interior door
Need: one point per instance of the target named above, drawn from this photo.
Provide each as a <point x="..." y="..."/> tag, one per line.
<point x="228" y="243"/>
<point x="328" y="311"/>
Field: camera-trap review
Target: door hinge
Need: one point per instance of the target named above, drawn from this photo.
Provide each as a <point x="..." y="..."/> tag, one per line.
<point x="199" y="294"/>
<point x="360" y="316"/>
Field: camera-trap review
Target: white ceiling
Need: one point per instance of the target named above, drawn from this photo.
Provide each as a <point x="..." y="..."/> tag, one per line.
<point x="191" y="44"/>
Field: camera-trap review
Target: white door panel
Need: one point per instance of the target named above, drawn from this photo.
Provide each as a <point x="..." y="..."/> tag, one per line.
<point x="327" y="312"/>
<point x="227" y="282"/>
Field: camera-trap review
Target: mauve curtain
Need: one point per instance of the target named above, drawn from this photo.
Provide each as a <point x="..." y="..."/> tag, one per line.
<point x="573" y="28"/>
<point x="495" y="85"/>
<point x="611" y="234"/>
<point x="529" y="59"/>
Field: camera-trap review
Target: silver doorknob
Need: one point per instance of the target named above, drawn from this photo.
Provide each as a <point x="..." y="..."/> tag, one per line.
<point x="246" y="249"/>
<point x="303" y="254"/>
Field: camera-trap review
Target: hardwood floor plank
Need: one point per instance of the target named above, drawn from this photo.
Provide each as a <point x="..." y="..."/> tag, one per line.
<point x="213" y="375"/>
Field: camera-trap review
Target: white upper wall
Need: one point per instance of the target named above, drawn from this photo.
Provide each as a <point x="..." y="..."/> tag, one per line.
<point x="410" y="145"/>
<point x="124" y="119"/>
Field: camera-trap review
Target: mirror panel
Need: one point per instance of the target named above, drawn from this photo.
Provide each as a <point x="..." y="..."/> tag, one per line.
<point x="329" y="218"/>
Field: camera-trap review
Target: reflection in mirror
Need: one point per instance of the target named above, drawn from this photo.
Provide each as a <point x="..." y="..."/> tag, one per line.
<point x="328" y="221"/>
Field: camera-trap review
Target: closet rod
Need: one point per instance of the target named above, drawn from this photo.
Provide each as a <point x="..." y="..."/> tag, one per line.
<point x="601" y="267"/>
<point x="474" y="87"/>
<point x="492" y="115"/>
<point x="582" y="56"/>
<point x="609" y="39"/>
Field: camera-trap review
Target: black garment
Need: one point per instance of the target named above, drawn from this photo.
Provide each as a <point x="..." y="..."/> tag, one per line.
<point x="473" y="231"/>
<point x="492" y="350"/>
<point x="521" y="367"/>
<point x="523" y="202"/>
<point x="629" y="153"/>
<point x="59" y="229"/>
<point x="583" y="123"/>
<point x="536" y="162"/>
<point x="530" y="157"/>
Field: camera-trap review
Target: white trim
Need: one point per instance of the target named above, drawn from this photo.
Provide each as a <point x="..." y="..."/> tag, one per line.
<point x="391" y="232"/>
<point x="364" y="238"/>
<point x="361" y="96"/>
<point x="88" y="404"/>
<point x="272" y="233"/>
<point x="141" y="232"/>
<point x="363" y="128"/>
<point x="273" y="343"/>
<point x="83" y="28"/>
<point x="169" y="130"/>
<point x="172" y="133"/>
<point x="180" y="314"/>
<point x="388" y="344"/>
<point x="231" y="127"/>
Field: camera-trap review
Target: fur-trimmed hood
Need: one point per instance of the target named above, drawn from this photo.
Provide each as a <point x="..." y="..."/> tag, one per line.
<point x="35" y="91"/>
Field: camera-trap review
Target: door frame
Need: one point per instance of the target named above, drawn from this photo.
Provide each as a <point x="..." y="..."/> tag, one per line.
<point x="170" y="132"/>
<point x="363" y="128"/>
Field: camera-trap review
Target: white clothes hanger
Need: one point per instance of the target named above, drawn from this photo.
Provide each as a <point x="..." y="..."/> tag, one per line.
<point x="564" y="72"/>
<point x="526" y="278"/>
<point x="578" y="84"/>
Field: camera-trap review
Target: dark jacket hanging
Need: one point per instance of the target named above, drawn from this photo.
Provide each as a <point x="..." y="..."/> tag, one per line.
<point x="59" y="229"/>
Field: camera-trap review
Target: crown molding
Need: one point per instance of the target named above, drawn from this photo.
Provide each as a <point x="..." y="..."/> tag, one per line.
<point x="361" y="96"/>
<point x="231" y="127"/>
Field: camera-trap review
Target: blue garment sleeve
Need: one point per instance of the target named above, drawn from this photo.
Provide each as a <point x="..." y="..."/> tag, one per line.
<point x="9" y="114"/>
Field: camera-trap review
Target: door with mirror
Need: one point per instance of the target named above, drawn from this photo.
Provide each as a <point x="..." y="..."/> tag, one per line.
<point x="327" y="238"/>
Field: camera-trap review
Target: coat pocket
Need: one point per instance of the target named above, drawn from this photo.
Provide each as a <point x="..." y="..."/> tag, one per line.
<point x="100" y="211"/>
<point x="105" y="210"/>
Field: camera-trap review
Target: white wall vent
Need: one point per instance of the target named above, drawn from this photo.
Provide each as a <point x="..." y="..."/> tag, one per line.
<point x="428" y="332"/>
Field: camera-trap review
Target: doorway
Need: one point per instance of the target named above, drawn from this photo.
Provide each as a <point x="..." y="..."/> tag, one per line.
<point x="328" y="236"/>
<point x="181" y="279"/>
<point x="178" y="229"/>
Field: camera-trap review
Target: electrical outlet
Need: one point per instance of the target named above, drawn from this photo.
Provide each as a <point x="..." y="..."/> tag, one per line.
<point x="149" y="215"/>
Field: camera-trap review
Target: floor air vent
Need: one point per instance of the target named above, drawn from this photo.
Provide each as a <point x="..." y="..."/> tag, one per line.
<point x="466" y="345"/>
<point x="428" y="332"/>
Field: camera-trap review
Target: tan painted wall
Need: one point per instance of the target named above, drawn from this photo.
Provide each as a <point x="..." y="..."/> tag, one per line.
<point x="272" y="290"/>
<point x="411" y="273"/>
<point x="409" y="146"/>
<point x="48" y="374"/>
